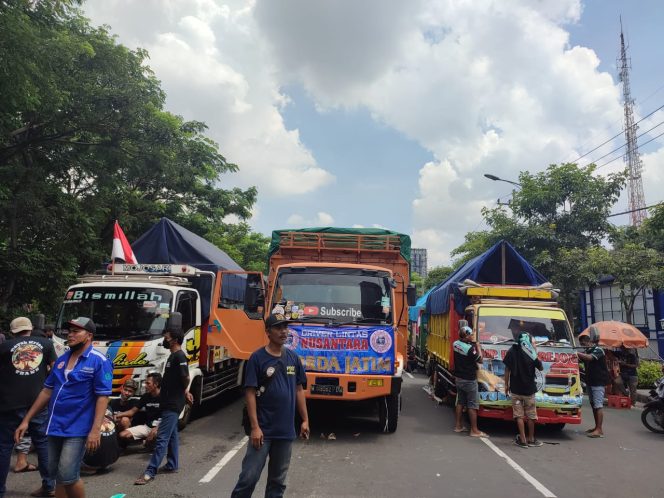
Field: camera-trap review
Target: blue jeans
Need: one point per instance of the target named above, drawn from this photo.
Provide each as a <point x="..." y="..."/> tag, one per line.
<point x="65" y="455"/>
<point x="9" y="421"/>
<point x="596" y="397"/>
<point x="279" y="451"/>
<point x="167" y="437"/>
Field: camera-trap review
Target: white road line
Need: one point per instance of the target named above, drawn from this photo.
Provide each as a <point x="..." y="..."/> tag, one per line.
<point x="410" y="375"/>
<point x="538" y="485"/>
<point x="226" y="458"/>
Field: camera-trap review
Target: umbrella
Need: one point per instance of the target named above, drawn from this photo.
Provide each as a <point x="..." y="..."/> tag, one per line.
<point x="614" y="334"/>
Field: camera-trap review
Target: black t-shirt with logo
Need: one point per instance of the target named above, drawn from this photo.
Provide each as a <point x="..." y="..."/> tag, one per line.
<point x="522" y="371"/>
<point x="24" y="363"/>
<point x="118" y="405"/>
<point x="172" y="385"/>
<point x="152" y="408"/>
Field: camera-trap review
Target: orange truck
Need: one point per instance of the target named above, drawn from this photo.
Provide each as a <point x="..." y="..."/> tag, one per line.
<point x="346" y="293"/>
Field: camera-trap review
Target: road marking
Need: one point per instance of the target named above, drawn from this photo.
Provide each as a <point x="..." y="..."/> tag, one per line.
<point x="410" y="375"/>
<point x="226" y="458"/>
<point x="538" y="485"/>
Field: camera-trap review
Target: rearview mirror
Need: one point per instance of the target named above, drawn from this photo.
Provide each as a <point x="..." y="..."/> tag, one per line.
<point x="462" y="324"/>
<point x="174" y="321"/>
<point x="39" y="321"/>
<point x="411" y="295"/>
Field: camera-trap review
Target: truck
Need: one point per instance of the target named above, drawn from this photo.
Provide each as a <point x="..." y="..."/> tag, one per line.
<point x="500" y="295"/>
<point x="346" y="293"/>
<point x="182" y="281"/>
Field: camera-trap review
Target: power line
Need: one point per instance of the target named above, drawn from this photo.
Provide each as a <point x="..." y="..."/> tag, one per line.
<point x="620" y="156"/>
<point x="616" y="136"/>
<point x="618" y="148"/>
<point x="634" y="210"/>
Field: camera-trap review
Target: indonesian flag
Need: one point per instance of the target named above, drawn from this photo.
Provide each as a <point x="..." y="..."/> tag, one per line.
<point x="121" y="248"/>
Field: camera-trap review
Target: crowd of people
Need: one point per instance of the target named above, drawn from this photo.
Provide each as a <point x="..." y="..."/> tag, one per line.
<point x="60" y="405"/>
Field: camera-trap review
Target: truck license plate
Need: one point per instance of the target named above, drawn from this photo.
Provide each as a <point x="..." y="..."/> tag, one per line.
<point x="327" y="390"/>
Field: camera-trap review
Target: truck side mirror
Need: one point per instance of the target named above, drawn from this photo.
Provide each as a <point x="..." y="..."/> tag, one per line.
<point x="411" y="295"/>
<point x="462" y="324"/>
<point x="39" y="322"/>
<point x="174" y="321"/>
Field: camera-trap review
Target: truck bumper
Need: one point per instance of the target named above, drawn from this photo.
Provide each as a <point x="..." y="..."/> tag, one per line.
<point x="544" y="415"/>
<point x="354" y="387"/>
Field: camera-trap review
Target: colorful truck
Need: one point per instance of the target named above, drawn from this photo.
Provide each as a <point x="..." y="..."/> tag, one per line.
<point x="346" y="293"/>
<point x="180" y="275"/>
<point x="500" y="295"/>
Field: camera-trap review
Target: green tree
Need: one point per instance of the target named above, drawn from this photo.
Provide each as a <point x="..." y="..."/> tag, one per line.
<point x="417" y="280"/>
<point x="436" y="275"/>
<point x="555" y="215"/>
<point x="85" y="140"/>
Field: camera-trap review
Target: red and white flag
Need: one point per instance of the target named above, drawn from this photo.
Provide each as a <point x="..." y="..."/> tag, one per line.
<point x="121" y="248"/>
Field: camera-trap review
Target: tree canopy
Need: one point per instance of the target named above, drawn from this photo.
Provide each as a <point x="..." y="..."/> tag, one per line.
<point x="85" y="139"/>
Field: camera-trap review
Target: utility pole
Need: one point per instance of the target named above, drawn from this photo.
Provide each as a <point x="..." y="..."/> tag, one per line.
<point x="635" y="196"/>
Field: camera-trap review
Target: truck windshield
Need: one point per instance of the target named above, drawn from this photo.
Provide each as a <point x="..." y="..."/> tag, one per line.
<point x="118" y="312"/>
<point x="338" y="294"/>
<point x="498" y="325"/>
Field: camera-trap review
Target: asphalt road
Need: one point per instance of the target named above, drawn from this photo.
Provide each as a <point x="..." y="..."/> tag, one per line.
<point x="424" y="458"/>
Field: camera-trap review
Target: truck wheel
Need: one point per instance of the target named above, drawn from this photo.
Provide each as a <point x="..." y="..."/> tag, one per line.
<point x="189" y="410"/>
<point x="388" y="412"/>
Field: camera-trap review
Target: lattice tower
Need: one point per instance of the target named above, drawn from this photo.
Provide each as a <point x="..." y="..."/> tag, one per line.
<point x="635" y="196"/>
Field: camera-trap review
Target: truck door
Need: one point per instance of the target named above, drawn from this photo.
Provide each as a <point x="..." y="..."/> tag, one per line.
<point x="238" y="317"/>
<point x="187" y="305"/>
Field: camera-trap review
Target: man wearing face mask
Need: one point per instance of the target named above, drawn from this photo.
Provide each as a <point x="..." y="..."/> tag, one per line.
<point x="81" y="380"/>
<point x="174" y="395"/>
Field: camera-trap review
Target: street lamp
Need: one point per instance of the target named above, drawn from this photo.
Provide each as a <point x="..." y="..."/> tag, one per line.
<point x="497" y="179"/>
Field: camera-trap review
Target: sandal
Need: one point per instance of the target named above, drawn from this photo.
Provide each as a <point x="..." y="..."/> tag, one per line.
<point x="143" y="480"/>
<point x="28" y="468"/>
<point x="481" y="434"/>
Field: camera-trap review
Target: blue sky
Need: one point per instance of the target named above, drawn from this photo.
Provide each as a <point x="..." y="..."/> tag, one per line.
<point x="388" y="113"/>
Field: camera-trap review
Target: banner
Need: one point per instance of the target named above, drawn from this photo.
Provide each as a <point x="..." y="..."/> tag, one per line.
<point x="344" y="350"/>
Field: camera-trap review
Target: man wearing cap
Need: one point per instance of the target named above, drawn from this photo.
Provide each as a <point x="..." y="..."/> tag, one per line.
<point x="274" y="383"/>
<point x="125" y="403"/>
<point x="24" y="364"/>
<point x="467" y="360"/>
<point x="76" y="392"/>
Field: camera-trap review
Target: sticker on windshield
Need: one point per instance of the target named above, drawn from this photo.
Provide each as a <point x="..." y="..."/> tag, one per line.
<point x="278" y="310"/>
<point x="385" y="302"/>
<point x="149" y="304"/>
<point x="310" y="310"/>
<point x="164" y="306"/>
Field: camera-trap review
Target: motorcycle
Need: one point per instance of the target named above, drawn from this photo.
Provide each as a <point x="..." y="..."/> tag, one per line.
<point x="653" y="412"/>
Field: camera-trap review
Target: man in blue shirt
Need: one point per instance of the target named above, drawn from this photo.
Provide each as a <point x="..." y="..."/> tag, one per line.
<point x="81" y="380"/>
<point x="273" y="382"/>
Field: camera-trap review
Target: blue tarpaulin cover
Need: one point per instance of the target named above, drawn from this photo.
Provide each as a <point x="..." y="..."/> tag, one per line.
<point x="420" y="304"/>
<point x="168" y="242"/>
<point x="483" y="269"/>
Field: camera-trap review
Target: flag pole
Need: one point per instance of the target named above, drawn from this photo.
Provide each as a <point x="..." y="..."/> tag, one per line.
<point x="112" y="257"/>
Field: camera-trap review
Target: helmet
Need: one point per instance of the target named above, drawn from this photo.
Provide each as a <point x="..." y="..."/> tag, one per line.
<point x="465" y="331"/>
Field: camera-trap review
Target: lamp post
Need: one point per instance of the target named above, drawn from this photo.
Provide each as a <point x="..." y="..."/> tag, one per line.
<point x="497" y="179"/>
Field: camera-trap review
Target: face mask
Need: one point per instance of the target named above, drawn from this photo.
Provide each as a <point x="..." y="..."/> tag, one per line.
<point x="77" y="347"/>
<point x="166" y="344"/>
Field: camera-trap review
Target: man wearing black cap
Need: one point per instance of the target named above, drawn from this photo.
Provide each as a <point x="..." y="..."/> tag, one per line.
<point x="274" y="383"/>
<point x="81" y="380"/>
<point x="24" y="364"/>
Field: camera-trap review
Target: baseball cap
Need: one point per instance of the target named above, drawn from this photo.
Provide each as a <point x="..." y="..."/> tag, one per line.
<point x="275" y="319"/>
<point x="20" y="324"/>
<point x="82" y="322"/>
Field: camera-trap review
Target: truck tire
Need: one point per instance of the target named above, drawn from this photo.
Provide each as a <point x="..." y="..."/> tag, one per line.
<point x="190" y="410"/>
<point x="388" y="412"/>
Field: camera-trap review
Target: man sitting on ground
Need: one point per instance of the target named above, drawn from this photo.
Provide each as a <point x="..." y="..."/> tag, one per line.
<point x="124" y="403"/>
<point x="149" y="402"/>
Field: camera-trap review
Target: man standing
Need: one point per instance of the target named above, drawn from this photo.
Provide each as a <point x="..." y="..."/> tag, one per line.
<point x="174" y="395"/>
<point x="628" y="359"/>
<point x="597" y="376"/>
<point x="24" y="365"/>
<point x="123" y="404"/>
<point x="149" y="402"/>
<point x="520" y="363"/>
<point x="81" y="380"/>
<point x="467" y="360"/>
<point x="273" y="383"/>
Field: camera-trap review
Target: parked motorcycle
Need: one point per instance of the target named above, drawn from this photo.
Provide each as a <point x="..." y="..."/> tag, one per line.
<point x="653" y="413"/>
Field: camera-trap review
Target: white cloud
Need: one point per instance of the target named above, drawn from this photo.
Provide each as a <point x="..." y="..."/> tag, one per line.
<point x="213" y="66"/>
<point x="321" y="219"/>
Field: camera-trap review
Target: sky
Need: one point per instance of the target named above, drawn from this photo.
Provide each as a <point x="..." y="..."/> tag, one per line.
<point x="385" y="113"/>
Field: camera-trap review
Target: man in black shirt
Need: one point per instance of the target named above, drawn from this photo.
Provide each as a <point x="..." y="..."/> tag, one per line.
<point x="597" y="377"/>
<point x="174" y="395"/>
<point x="628" y="359"/>
<point x="123" y="404"/>
<point x="24" y="365"/>
<point x="150" y="404"/>
<point x="521" y="361"/>
<point x="467" y="360"/>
